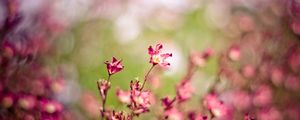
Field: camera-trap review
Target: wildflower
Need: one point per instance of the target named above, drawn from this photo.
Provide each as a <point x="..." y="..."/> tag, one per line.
<point x="292" y="83"/>
<point x="248" y="71"/>
<point x="90" y="104"/>
<point x="140" y="100"/>
<point x="118" y="116"/>
<point x="271" y="113"/>
<point x="248" y="117"/>
<point x="156" y="57"/>
<point x="277" y="76"/>
<point x="184" y="91"/>
<point x="167" y="103"/>
<point x="241" y="100"/>
<point x="234" y="53"/>
<point x="57" y="86"/>
<point x="114" y="66"/>
<point x="216" y="106"/>
<point x="123" y="96"/>
<point x="195" y="116"/>
<point x="200" y="59"/>
<point x="173" y="114"/>
<point x="7" y="100"/>
<point x="50" y="107"/>
<point x="27" y="102"/>
<point x="263" y="96"/>
<point x="103" y="86"/>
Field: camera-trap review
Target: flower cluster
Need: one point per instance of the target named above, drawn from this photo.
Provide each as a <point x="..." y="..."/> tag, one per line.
<point x="137" y="99"/>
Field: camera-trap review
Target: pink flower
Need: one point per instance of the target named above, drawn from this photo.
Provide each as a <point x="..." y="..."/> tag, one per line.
<point x="140" y="101"/>
<point x="216" y="106"/>
<point x="141" y="98"/>
<point x="292" y="83"/>
<point x="248" y="117"/>
<point x="294" y="59"/>
<point x="277" y="75"/>
<point x="200" y="58"/>
<point x="50" y="107"/>
<point x="248" y="71"/>
<point x="27" y="102"/>
<point x="263" y="96"/>
<point x="269" y="114"/>
<point x="234" y="53"/>
<point x="90" y="104"/>
<point x="184" y="90"/>
<point x="174" y="114"/>
<point x="156" y="57"/>
<point x="57" y="86"/>
<point x="114" y="66"/>
<point x="103" y="86"/>
<point x="241" y="100"/>
<point x="124" y="96"/>
<point x="167" y="103"/>
<point x="7" y="100"/>
<point x="118" y="116"/>
<point x="197" y="116"/>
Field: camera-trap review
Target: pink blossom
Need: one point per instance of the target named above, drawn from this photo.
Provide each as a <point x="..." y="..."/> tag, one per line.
<point x="216" y="106"/>
<point x="156" y="57"/>
<point x="118" y="116"/>
<point x="167" y="103"/>
<point x="200" y="59"/>
<point x="114" y="66"/>
<point x="7" y="100"/>
<point x="292" y="83"/>
<point x="263" y="96"/>
<point x="123" y="96"/>
<point x="27" y="102"/>
<point x="269" y="114"/>
<point x="195" y="116"/>
<point x="248" y="117"/>
<point x="140" y="101"/>
<point x="295" y="25"/>
<point x="174" y="114"/>
<point x="277" y="76"/>
<point x="50" y="107"/>
<point x="90" y="104"/>
<point x="294" y="59"/>
<point x="234" y="53"/>
<point x="248" y="71"/>
<point x="185" y="90"/>
<point x="292" y="112"/>
<point x="241" y="100"/>
<point x="103" y="86"/>
<point x="57" y="86"/>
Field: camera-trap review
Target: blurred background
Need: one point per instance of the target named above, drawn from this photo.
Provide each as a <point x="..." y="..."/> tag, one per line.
<point x="71" y="39"/>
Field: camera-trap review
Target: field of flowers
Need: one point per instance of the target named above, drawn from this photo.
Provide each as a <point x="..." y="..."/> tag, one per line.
<point x="149" y="59"/>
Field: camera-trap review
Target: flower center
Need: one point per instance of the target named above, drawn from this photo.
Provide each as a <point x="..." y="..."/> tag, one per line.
<point x="156" y="59"/>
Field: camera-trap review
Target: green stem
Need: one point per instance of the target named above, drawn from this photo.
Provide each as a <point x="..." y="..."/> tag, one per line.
<point x="146" y="76"/>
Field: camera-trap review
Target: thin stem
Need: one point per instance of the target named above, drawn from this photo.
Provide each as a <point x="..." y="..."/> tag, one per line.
<point x="146" y="76"/>
<point x="108" y="78"/>
<point x="104" y="99"/>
